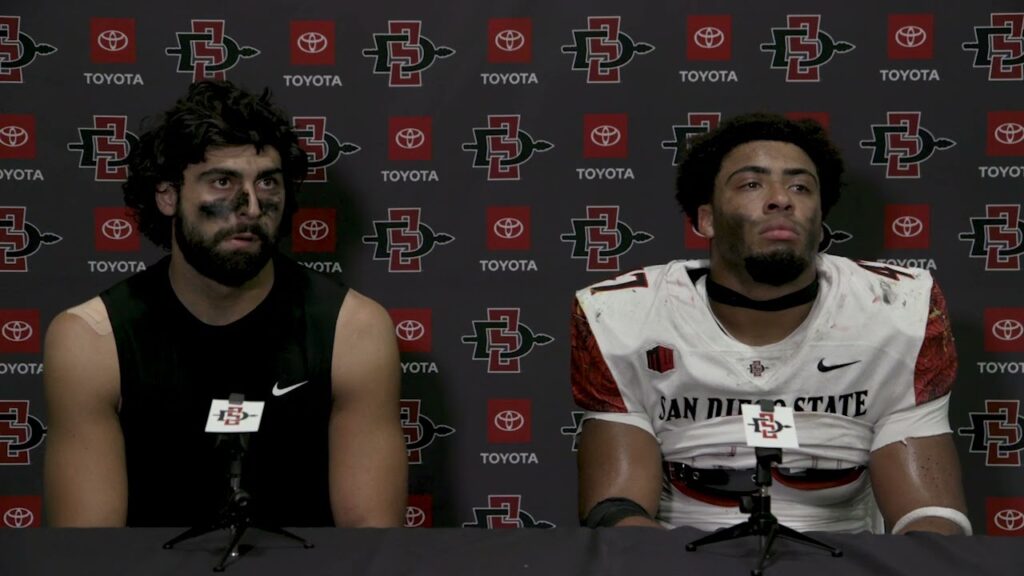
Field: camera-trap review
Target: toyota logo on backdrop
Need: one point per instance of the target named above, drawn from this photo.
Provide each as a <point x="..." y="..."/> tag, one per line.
<point x="314" y="230"/>
<point x="911" y="36"/>
<point x="1009" y="133"/>
<point x="508" y="228"/>
<point x="16" y="331"/>
<point x="1009" y="519"/>
<point x="509" y="40"/>
<point x="907" y="226"/>
<point x="410" y="138"/>
<point x="410" y="330"/>
<point x="509" y="421"/>
<point x="311" y="42"/>
<point x="116" y="229"/>
<point x="20" y="517"/>
<point x="709" y="37"/>
<point x="112" y="40"/>
<point x="605" y="136"/>
<point x="13" y="136"/>
<point x="414" y="517"/>
<point x="1007" y="329"/>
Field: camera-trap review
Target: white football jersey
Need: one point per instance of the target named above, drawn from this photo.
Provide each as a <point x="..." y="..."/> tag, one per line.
<point x="872" y="364"/>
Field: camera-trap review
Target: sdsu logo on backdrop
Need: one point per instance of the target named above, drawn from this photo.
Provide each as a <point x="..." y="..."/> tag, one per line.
<point x="104" y="147"/>
<point x="602" y="49"/>
<point x="419" y="430"/>
<point x="1004" y="329"/>
<point x="20" y="239"/>
<point x="20" y="433"/>
<point x="322" y="148"/>
<point x="697" y="123"/>
<point x="502" y="340"/>
<point x="998" y="433"/>
<point x="21" y="511"/>
<point x="907" y="226"/>
<point x="802" y="48"/>
<point x="998" y="237"/>
<point x="902" y="144"/>
<point x="403" y="240"/>
<point x="502" y="147"/>
<point x="504" y="511"/>
<point x="412" y="329"/>
<point x="601" y="238"/>
<point x="1005" y="516"/>
<point x="113" y="40"/>
<point x="999" y="47"/>
<point x="403" y="53"/>
<point x="206" y="52"/>
<point x="17" y="50"/>
<point x="115" y="230"/>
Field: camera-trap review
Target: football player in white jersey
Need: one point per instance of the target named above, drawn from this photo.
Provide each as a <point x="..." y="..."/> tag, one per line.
<point x="663" y="358"/>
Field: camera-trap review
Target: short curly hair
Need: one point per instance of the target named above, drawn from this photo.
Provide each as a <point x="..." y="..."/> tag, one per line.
<point x="212" y="114"/>
<point x="695" y="180"/>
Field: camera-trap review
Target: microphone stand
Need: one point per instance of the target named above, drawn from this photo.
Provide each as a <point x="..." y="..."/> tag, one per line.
<point x="235" y="514"/>
<point x="762" y="523"/>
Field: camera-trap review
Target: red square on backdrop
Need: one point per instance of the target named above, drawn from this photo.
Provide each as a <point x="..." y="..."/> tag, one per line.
<point x="709" y="37"/>
<point x="313" y="230"/>
<point x="19" y="331"/>
<point x="21" y="511"/>
<point x="911" y="36"/>
<point x="312" y="42"/>
<point x="508" y="227"/>
<point x="419" y="511"/>
<point x="409" y="138"/>
<point x="1005" y="133"/>
<point x="508" y="420"/>
<point x="907" y="226"/>
<point x="113" y="40"/>
<point x="17" y="136"/>
<point x="115" y="230"/>
<point x="412" y="328"/>
<point x="605" y="136"/>
<point x="1004" y="516"/>
<point x="509" y="40"/>
<point x="1004" y="329"/>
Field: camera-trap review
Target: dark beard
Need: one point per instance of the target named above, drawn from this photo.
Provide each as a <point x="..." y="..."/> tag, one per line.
<point x="775" y="268"/>
<point x="227" y="269"/>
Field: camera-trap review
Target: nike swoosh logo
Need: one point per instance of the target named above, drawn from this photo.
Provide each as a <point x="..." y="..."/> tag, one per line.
<point x="823" y="368"/>
<point x="278" y="391"/>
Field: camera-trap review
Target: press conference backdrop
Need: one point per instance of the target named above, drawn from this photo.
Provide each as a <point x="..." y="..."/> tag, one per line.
<point x="473" y="163"/>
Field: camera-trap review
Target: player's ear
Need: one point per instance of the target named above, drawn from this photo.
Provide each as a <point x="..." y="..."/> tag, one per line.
<point x="705" y="221"/>
<point x="166" y="198"/>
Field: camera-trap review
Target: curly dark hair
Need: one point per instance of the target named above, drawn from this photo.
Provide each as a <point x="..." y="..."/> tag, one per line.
<point x="695" y="181"/>
<point x="212" y="114"/>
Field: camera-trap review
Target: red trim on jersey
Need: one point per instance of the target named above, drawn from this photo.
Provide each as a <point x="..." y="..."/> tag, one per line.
<point x="714" y="500"/>
<point x="593" y="387"/>
<point x="842" y="478"/>
<point x="936" y="362"/>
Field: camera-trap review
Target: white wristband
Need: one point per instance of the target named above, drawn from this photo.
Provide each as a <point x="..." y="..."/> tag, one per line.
<point x="955" y="516"/>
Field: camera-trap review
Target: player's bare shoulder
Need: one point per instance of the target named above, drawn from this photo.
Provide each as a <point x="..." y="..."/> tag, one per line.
<point x="80" y="351"/>
<point x="364" y="341"/>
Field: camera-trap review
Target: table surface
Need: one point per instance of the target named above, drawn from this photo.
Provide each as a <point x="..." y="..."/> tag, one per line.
<point x="453" y="552"/>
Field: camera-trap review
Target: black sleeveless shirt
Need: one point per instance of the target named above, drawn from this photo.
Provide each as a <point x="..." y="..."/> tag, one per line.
<point x="172" y="365"/>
